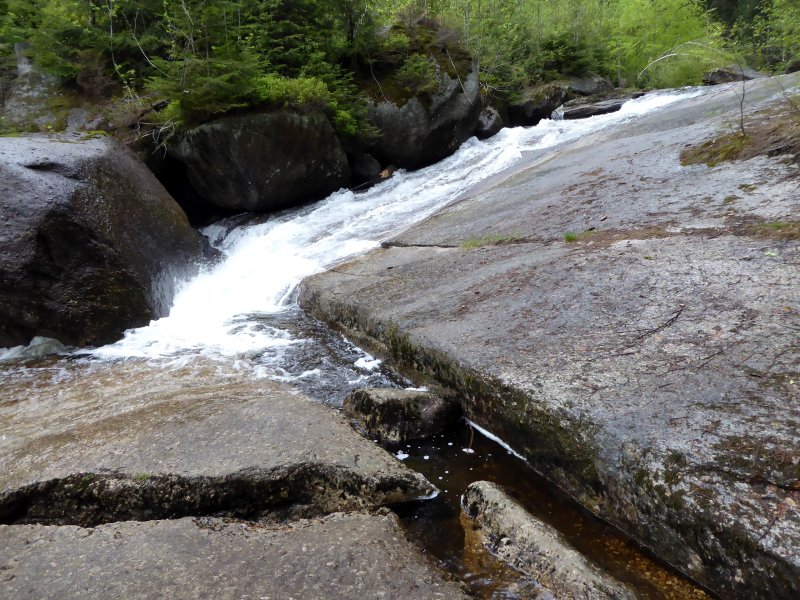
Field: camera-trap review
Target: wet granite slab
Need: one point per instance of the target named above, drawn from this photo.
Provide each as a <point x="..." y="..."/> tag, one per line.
<point x="627" y="324"/>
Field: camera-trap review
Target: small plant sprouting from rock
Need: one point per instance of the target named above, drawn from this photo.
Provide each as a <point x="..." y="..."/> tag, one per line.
<point x="576" y="236"/>
<point x="490" y="240"/>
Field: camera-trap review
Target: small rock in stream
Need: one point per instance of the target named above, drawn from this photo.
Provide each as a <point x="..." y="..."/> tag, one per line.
<point x="536" y="548"/>
<point x="396" y="416"/>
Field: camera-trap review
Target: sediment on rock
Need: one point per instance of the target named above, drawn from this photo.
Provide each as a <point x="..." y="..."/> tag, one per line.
<point x="294" y="491"/>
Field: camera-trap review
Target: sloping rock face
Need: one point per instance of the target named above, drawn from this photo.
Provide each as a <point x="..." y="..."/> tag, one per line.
<point x="534" y="547"/>
<point x="90" y="243"/>
<point x="420" y="133"/>
<point x="264" y="161"/>
<point x="537" y="103"/>
<point x="649" y="366"/>
<point x="28" y="102"/>
<point x="340" y="557"/>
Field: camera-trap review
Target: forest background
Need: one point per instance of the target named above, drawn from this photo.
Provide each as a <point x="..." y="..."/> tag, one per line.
<point x="207" y="57"/>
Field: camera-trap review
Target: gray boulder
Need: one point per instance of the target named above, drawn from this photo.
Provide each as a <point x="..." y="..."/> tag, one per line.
<point x="90" y="243"/>
<point x="365" y="169"/>
<point x="489" y="123"/>
<point x="537" y="103"/>
<point x="394" y="416"/>
<point x="39" y="347"/>
<point x="535" y="548"/>
<point x="590" y="110"/>
<point x="264" y="161"/>
<point x="591" y="85"/>
<point x="422" y="132"/>
<point x="729" y="74"/>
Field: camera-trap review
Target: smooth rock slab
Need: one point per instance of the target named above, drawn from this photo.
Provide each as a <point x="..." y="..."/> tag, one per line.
<point x="154" y="445"/>
<point x="343" y="556"/>
<point x="535" y="548"/>
<point x="592" y="110"/>
<point x="649" y="366"/>
<point x="394" y="416"/>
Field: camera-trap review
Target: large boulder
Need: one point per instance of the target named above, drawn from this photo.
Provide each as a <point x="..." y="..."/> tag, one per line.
<point x="583" y="111"/>
<point x="264" y="161"/>
<point x="729" y="74"/>
<point x="425" y="130"/>
<point x="591" y="85"/>
<point x="490" y="122"/>
<point x="537" y="103"/>
<point x="90" y="243"/>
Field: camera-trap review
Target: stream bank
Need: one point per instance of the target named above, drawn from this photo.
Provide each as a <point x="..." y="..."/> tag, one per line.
<point x="613" y="316"/>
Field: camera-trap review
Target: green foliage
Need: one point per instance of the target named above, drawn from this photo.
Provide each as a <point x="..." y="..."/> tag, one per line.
<point x="211" y="56"/>
<point x="417" y="75"/>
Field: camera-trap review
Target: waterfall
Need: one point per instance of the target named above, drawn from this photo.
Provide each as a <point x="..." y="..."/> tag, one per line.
<point x="225" y="311"/>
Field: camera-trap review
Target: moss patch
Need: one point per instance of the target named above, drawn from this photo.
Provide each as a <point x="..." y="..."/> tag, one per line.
<point x="776" y="134"/>
<point x="780" y="230"/>
<point x="491" y="240"/>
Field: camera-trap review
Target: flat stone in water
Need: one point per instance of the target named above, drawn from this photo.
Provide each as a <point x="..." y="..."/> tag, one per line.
<point x="396" y="416"/>
<point x="175" y="446"/>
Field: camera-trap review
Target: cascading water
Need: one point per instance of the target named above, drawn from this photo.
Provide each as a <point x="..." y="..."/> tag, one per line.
<point x="243" y="306"/>
<point x="238" y="319"/>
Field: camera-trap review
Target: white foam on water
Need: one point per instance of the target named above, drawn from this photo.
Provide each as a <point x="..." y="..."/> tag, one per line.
<point x="488" y="434"/>
<point x="216" y="313"/>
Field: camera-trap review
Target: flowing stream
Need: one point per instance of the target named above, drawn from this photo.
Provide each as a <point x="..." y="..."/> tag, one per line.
<point x="243" y="308"/>
<point x="239" y="316"/>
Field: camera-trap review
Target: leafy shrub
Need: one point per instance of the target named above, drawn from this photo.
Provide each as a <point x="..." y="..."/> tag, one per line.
<point x="417" y="75"/>
<point x="276" y="90"/>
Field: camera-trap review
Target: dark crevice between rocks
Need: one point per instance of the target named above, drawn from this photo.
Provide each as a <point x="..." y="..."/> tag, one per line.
<point x="399" y="244"/>
<point x="171" y="173"/>
<point x="299" y="491"/>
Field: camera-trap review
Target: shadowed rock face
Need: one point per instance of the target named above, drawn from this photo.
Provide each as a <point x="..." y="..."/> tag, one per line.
<point x="265" y="161"/>
<point x="534" y="547"/>
<point x="536" y="104"/>
<point x="340" y="557"/>
<point x="90" y="243"/>
<point x="420" y="133"/>
<point x="158" y="445"/>
<point x="648" y="365"/>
